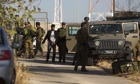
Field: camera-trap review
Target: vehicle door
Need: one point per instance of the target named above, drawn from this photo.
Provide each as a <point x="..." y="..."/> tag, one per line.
<point x="70" y="37"/>
<point x="133" y="32"/>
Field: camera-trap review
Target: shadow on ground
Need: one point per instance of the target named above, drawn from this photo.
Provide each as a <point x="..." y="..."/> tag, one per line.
<point x="49" y="67"/>
<point x="59" y="68"/>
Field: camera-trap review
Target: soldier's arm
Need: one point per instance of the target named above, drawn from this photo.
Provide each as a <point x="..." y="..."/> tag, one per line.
<point x="46" y="37"/>
<point x="57" y="36"/>
<point x="33" y="33"/>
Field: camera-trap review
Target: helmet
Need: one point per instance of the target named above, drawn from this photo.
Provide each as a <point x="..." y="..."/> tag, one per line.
<point x="86" y="19"/>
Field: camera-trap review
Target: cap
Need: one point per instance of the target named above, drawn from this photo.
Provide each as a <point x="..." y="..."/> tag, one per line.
<point x="63" y="23"/>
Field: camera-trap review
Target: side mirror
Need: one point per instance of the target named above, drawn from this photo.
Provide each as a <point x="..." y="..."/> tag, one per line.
<point x="126" y="33"/>
<point x="15" y="45"/>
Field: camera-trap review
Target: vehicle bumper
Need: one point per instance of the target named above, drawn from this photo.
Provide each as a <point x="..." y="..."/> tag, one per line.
<point x="109" y="53"/>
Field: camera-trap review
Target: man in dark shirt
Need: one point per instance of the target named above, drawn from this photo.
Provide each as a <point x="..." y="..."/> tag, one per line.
<point x="51" y="36"/>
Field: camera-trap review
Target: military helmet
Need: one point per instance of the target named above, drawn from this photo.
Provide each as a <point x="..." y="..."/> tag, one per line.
<point x="86" y="19"/>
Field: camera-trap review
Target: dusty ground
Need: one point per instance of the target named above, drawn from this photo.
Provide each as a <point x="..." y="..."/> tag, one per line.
<point x="42" y="73"/>
<point x="59" y="73"/>
<point x="22" y="75"/>
<point x="131" y="76"/>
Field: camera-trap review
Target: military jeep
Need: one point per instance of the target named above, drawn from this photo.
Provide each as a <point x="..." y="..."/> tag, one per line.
<point x="112" y="39"/>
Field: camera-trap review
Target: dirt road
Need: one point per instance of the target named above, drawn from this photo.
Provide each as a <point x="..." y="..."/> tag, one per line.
<point x="59" y="73"/>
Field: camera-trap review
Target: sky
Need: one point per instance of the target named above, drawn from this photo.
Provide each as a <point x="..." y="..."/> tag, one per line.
<point x="70" y="8"/>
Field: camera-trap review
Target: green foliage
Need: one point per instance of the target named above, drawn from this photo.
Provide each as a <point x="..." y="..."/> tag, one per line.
<point x="24" y="8"/>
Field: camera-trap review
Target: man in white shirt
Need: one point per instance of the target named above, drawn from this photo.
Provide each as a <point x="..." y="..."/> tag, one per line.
<point x="51" y="37"/>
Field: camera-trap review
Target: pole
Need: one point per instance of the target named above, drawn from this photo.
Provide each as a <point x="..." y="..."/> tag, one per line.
<point x="89" y="11"/>
<point x="113" y="8"/>
<point x="78" y="11"/>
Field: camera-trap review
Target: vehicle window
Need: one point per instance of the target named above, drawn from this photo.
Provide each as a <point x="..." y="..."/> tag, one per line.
<point x="1" y="38"/>
<point x="130" y="27"/>
<point x="72" y="31"/>
<point x="105" y="28"/>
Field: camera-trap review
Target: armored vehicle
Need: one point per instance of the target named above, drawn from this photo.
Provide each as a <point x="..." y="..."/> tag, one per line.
<point x="112" y="39"/>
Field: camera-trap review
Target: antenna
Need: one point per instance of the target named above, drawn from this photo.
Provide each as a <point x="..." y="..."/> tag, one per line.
<point x="91" y="7"/>
<point x="58" y="11"/>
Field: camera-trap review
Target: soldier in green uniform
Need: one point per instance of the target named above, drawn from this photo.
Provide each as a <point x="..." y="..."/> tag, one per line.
<point x="82" y="47"/>
<point x="61" y="42"/>
<point x="28" y="36"/>
<point x="39" y="36"/>
<point x="136" y="52"/>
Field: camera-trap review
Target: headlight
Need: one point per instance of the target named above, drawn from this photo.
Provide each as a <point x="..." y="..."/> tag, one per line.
<point x="97" y="43"/>
<point x="120" y="42"/>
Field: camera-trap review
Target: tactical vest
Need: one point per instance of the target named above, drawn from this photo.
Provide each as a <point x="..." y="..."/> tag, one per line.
<point x="62" y="32"/>
<point x="27" y="34"/>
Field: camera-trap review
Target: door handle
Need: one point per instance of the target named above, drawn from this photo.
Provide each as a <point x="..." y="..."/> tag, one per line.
<point x="68" y="39"/>
<point x="134" y="36"/>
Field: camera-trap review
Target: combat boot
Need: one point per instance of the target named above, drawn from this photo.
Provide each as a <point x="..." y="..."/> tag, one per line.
<point x="47" y="60"/>
<point x="83" y="69"/>
<point x="73" y="63"/>
<point x="76" y="67"/>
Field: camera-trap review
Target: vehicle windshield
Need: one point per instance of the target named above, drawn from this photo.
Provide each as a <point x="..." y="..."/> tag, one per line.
<point x="105" y="29"/>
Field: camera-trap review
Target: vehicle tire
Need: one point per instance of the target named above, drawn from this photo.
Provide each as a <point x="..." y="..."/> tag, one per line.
<point x="113" y="71"/>
<point x="90" y="61"/>
<point x="130" y="55"/>
<point x="95" y="61"/>
<point x="116" y="67"/>
<point x="13" y="77"/>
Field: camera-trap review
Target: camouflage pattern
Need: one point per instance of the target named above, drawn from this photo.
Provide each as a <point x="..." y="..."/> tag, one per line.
<point x="39" y="40"/>
<point x="28" y="37"/>
<point x="29" y="48"/>
<point x="136" y="51"/>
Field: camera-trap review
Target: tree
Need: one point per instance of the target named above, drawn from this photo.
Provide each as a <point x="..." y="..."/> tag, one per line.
<point x="130" y="5"/>
<point x="15" y="12"/>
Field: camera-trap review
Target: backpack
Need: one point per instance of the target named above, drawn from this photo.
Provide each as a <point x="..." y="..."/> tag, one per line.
<point x="43" y="32"/>
<point x="125" y="66"/>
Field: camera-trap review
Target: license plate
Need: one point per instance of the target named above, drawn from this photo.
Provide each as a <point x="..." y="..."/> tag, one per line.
<point x="109" y="52"/>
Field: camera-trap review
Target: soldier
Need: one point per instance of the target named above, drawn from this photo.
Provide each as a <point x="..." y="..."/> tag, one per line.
<point x="28" y="34"/>
<point x="61" y="42"/>
<point x="136" y="52"/>
<point x="82" y="47"/>
<point x="39" y="36"/>
<point x="51" y="36"/>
